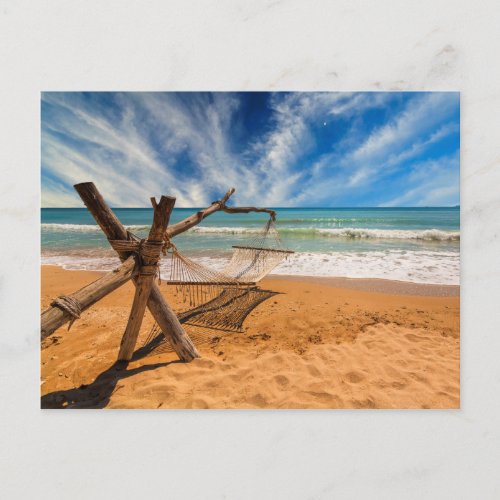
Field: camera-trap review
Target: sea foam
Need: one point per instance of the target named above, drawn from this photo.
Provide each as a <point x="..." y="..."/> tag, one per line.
<point x="413" y="266"/>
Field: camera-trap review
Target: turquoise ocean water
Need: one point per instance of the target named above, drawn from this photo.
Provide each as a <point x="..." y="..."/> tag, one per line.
<point x="410" y="244"/>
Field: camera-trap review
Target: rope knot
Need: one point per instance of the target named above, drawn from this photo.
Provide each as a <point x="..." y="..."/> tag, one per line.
<point x="70" y="305"/>
<point x="148" y="252"/>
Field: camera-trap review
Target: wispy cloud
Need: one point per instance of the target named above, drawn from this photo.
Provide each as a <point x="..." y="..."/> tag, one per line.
<point x="430" y="183"/>
<point x="278" y="149"/>
<point x="384" y="153"/>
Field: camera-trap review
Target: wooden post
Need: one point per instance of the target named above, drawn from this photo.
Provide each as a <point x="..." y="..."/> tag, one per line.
<point x="144" y="282"/>
<point x="54" y="317"/>
<point x="161" y="311"/>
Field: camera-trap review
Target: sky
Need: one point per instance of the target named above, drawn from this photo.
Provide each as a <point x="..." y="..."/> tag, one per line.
<point x="278" y="149"/>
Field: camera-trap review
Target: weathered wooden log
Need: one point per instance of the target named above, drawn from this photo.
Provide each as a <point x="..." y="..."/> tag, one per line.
<point x="145" y="281"/>
<point x="55" y="317"/>
<point x="161" y="311"/>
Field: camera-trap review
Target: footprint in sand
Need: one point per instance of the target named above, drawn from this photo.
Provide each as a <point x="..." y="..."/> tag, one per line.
<point x="413" y="338"/>
<point x="258" y="400"/>
<point x="313" y="371"/>
<point x="392" y="372"/>
<point x="199" y="403"/>
<point x="354" y="377"/>
<point x="204" y="363"/>
<point x="364" y="403"/>
<point x="281" y="380"/>
<point x="399" y="385"/>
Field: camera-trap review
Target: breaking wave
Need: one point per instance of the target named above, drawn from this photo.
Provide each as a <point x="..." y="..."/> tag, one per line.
<point x="347" y="233"/>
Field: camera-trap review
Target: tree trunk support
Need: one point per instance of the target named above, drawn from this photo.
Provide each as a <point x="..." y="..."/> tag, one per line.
<point x="145" y="280"/>
<point x="161" y="311"/>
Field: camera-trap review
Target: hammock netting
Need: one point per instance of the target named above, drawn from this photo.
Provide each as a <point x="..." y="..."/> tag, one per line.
<point x="222" y="315"/>
<point x="221" y="300"/>
<point x="250" y="263"/>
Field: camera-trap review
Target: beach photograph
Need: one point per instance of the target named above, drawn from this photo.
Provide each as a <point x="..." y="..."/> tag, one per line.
<point x="250" y="250"/>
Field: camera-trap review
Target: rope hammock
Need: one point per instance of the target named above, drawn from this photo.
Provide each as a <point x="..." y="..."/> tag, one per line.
<point x="222" y="315"/>
<point x="228" y="310"/>
<point x="249" y="264"/>
<point x="252" y="262"/>
<point x="221" y="300"/>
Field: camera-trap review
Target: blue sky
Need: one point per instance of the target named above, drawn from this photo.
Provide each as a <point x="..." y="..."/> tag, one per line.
<point x="278" y="149"/>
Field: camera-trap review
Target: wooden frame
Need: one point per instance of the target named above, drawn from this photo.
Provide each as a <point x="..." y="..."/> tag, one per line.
<point x="138" y="267"/>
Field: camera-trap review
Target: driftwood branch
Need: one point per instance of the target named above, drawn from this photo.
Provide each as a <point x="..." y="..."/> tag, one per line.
<point x="54" y="317"/>
<point x="196" y="218"/>
<point x="216" y="206"/>
<point x="246" y="210"/>
<point x="161" y="311"/>
<point x="145" y="281"/>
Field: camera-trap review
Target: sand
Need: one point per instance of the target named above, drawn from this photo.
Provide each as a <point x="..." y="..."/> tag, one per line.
<point x="319" y="343"/>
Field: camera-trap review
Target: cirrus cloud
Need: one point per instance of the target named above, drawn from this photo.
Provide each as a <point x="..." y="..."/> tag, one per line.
<point x="277" y="149"/>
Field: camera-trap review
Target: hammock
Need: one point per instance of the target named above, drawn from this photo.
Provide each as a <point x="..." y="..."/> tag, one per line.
<point x="248" y="265"/>
<point x="253" y="262"/>
<point x="221" y="300"/>
<point x="209" y="322"/>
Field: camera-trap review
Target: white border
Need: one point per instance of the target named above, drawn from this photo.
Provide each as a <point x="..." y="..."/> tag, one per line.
<point x="241" y="45"/>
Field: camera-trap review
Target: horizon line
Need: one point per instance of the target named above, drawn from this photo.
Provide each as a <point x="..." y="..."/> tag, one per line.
<point x="271" y="207"/>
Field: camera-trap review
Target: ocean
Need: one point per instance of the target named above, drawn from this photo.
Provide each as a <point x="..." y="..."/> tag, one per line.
<point x="420" y="245"/>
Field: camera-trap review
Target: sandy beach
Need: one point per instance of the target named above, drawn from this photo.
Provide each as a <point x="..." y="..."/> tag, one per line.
<point x="318" y="343"/>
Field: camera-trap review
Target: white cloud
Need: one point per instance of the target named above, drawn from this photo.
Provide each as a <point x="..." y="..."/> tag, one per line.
<point x="387" y="149"/>
<point x="291" y="137"/>
<point x="154" y="143"/>
<point x="117" y="155"/>
<point x="56" y="195"/>
<point x="420" y="114"/>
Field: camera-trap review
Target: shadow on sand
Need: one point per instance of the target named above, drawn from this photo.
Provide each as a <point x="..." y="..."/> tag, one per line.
<point x="98" y="393"/>
<point x="224" y="314"/>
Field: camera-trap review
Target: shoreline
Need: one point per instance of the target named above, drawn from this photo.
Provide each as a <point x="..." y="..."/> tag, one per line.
<point x="378" y="285"/>
<point x="414" y="265"/>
